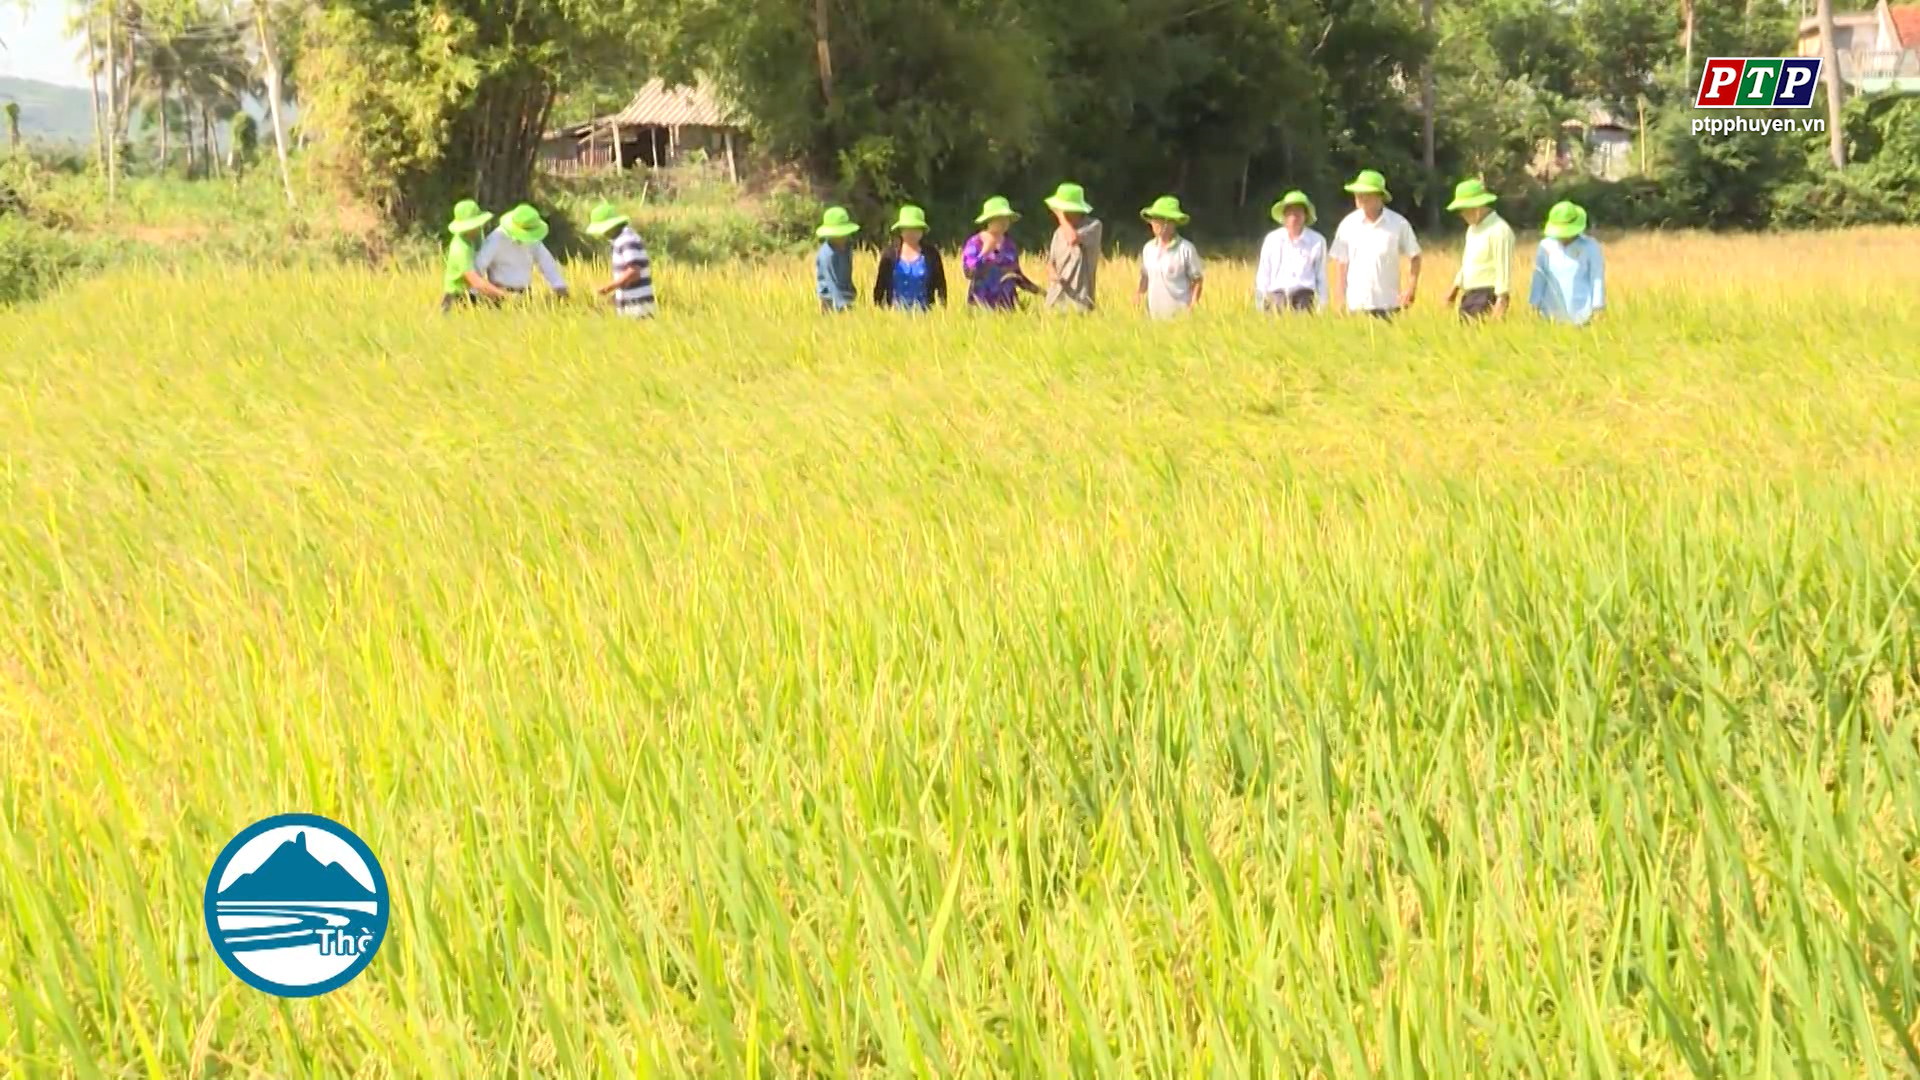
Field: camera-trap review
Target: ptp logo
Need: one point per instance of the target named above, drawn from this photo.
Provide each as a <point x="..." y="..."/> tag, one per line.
<point x="1758" y="82"/>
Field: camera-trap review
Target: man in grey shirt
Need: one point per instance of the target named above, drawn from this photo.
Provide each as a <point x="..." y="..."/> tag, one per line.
<point x="1073" y="257"/>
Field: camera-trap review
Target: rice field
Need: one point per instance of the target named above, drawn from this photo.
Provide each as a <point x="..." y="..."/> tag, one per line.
<point x="756" y="694"/>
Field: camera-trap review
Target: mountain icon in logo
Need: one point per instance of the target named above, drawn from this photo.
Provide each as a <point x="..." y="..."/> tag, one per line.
<point x="292" y="873"/>
<point x="296" y="905"/>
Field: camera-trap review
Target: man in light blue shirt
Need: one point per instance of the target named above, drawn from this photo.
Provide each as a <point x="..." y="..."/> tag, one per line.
<point x="1569" y="277"/>
<point x="833" y="263"/>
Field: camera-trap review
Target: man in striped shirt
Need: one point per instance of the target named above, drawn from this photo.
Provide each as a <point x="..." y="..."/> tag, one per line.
<point x="632" y="284"/>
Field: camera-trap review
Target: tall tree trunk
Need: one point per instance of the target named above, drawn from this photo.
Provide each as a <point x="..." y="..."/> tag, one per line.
<point x="93" y="99"/>
<point x="505" y="138"/>
<point x="193" y="158"/>
<point x="1426" y="124"/>
<point x="1830" y="64"/>
<point x="113" y="108"/>
<point x="1686" y="34"/>
<point x="213" y="140"/>
<point x="823" y="51"/>
<point x="130" y="60"/>
<point x="273" y="98"/>
<point x="165" y="149"/>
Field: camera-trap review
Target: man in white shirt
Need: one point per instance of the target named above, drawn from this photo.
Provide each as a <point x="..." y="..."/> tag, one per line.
<point x="1367" y="249"/>
<point x="1293" y="260"/>
<point x="510" y="256"/>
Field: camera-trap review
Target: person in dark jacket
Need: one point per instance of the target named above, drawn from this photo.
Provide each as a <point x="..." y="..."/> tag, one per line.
<point x="911" y="275"/>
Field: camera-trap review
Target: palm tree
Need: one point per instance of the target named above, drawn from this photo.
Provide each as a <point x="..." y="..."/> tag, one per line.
<point x="13" y="126"/>
<point x="153" y="91"/>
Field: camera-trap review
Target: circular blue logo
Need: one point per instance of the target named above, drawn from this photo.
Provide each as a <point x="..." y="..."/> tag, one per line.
<point x="296" y="905"/>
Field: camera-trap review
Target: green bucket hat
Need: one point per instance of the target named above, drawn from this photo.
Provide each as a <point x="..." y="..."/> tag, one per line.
<point x="996" y="207"/>
<point x="523" y="224"/>
<point x="467" y="216"/>
<point x="606" y="218"/>
<point x="1294" y="198"/>
<point x="1468" y="194"/>
<point x="1566" y="221"/>
<point x="1165" y="208"/>
<point x="1069" y="199"/>
<point x="911" y="217"/>
<point x="1370" y="182"/>
<point x="836" y="223"/>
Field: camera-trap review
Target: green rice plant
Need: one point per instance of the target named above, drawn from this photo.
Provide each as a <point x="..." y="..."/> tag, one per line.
<point x="754" y="693"/>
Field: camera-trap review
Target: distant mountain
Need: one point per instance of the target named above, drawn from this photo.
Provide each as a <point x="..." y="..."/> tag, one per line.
<point x="292" y="873"/>
<point x="61" y="115"/>
<point x="49" y="113"/>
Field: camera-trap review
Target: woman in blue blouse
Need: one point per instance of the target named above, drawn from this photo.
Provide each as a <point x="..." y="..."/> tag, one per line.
<point x="911" y="276"/>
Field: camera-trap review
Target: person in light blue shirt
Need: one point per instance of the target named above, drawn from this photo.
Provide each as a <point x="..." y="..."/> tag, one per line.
<point x="833" y="265"/>
<point x="1569" y="277"/>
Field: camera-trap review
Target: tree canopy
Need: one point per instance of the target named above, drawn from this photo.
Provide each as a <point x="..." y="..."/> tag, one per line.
<point x="944" y="101"/>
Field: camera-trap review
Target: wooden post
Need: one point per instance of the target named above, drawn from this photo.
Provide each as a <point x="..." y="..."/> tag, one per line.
<point x="733" y="171"/>
<point x="619" y="152"/>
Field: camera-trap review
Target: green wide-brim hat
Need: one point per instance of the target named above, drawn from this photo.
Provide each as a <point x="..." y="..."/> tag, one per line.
<point x="836" y="223"/>
<point x="1069" y="199"/>
<point x="911" y="217"/>
<point x="467" y="216"/>
<point x="996" y="207"/>
<point x="1566" y="221"/>
<point x="606" y="218"/>
<point x="1469" y="194"/>
<point x="1370" y="182"/>
<point x="1294" y="198"/>
<point x="524" y="224"/>
<point x="1166" y="208"/>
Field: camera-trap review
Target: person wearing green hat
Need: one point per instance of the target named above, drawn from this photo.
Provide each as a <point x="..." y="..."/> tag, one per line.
<point x="460" y="282"/>
<point x="1293" y="260"/>
<point x="1171" y="276"/>
<point x="632" y="284"/>
<point x="991" y="261"/>
<point x="911" y="276"/>
<point x="1486" y="262"/>
<point x="1364" y="259"/>
<point x="833" y="263"/>
<point x="1569" y="276"/>
<point x="1073" y="256"/>
<point x="518" y="247"/>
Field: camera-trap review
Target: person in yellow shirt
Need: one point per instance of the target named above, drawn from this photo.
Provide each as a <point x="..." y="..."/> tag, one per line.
<point x="1485" y="280"/>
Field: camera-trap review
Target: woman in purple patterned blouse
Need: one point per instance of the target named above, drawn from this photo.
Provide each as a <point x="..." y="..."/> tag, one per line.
<point x="992" y="262"/>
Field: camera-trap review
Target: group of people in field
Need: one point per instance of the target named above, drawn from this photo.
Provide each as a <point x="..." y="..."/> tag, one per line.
<point x="1370" y="267"/>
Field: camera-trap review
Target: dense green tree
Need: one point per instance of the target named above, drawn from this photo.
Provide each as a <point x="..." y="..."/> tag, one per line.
<point x="414" y="105"/>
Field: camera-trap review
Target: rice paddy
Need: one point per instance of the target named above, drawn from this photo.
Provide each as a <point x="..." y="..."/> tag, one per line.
<point x="760" y="694"/>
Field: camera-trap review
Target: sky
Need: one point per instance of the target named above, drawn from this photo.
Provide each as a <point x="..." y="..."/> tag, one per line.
<point x="36" y="43"/>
